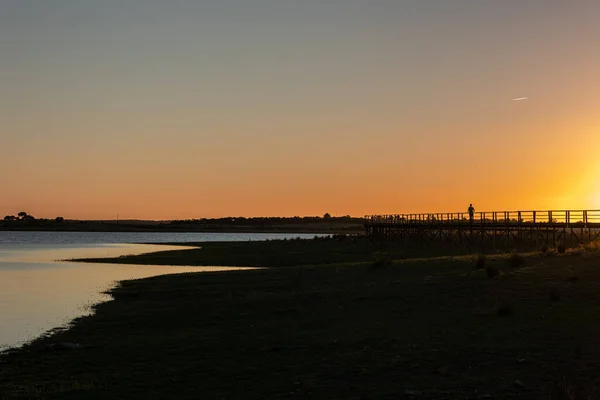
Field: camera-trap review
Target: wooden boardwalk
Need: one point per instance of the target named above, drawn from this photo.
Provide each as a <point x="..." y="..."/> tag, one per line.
<point x="490" y="231"/>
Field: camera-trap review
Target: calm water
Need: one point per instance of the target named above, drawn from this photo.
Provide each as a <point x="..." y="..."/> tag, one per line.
<point x="91" y="238"/>
<point x="38" y="293"/>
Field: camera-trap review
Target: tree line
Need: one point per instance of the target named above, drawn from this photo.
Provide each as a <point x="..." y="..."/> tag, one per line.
<point x="25" y="217"/>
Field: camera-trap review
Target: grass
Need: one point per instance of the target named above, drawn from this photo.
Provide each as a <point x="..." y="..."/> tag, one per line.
<point x="573" y="389"/>
<point x="572" y="277"/>
<point x="55" y="388"/>
<point x="493" y="272"/>
<point x="504" y="309"/>
<point x="554" y="294"/>
<point x="591" y="246"/>
<point x="560" y="248"/>
<point x="281" y="253"/>
<point x="326" y="330"/>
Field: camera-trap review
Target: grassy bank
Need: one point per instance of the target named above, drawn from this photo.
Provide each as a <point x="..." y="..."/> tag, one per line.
<point x="430" y="328"/>
<point x="281" y="253"/>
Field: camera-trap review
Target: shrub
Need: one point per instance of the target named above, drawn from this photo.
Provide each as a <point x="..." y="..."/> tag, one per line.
<point x="480" y="261"/>
<point x="515" y="260"/>
<point x="544" y="249"/>
<point x="550" y="253"/>
<point x="560" y="248"/>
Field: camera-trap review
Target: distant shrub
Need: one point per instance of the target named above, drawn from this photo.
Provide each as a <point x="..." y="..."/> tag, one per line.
<point x="515" y="260"/>
<point x="480" y="261"/>
<point x="340" y="237"/>
<point x="560" y="248"/>
<point x="544" y="249"/>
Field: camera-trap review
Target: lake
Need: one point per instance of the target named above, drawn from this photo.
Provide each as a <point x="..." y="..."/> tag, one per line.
<point x="38" y="292"/>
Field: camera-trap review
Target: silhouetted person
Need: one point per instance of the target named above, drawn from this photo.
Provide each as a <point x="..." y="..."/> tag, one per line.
<point x="471" y="213"/>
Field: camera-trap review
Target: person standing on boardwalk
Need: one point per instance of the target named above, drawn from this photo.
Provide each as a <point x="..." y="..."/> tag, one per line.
<point x="471" y="213"/>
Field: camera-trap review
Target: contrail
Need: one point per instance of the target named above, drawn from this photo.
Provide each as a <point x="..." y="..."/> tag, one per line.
<point x="519" y="99"/>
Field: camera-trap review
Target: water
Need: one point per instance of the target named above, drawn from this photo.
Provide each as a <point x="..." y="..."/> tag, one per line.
<point x="91" y="238"/>
<point x="39" y="293"/>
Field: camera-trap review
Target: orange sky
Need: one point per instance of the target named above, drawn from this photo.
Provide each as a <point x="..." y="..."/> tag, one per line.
<point x="157" y="111"/>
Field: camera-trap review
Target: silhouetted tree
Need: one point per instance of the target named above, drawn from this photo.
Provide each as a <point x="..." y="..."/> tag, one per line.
<point x="10" y="218"/>
<point x="22" y="215"/>
<point x="326" y="216"/>
<point x="59" y="219"/>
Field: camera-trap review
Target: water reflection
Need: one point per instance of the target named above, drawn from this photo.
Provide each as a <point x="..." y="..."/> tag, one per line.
<point x="38" y="294"/>
<point x="45" y="255"/>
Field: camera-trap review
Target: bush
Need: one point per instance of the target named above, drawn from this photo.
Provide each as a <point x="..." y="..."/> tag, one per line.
<point x="560" y="248"/>
<point x="550" y="253"/>
<point x="516" y="260"/>
<point x="480" y="261"/>
<point x="544" y="249"/>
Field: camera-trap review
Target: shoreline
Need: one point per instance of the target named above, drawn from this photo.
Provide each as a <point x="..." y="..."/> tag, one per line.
<point x="335" y="330"/>
<point x="27" y="264"/>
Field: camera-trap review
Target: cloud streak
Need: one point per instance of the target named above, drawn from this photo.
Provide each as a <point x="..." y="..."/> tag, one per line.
<point x="519" y="99"/>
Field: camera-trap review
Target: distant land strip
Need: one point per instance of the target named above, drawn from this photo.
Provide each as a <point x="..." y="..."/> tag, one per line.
<point x="326" y="224"/>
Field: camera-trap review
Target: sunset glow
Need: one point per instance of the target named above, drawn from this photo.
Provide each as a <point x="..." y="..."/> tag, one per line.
<point x="159" y="110"/>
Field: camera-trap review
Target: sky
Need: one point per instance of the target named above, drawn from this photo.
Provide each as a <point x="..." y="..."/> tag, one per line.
<point x="151" y="109"/>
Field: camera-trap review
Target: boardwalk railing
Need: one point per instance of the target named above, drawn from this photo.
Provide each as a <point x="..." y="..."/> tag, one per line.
<point x="585" y="217"/>
<point x="490" y="230"/>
